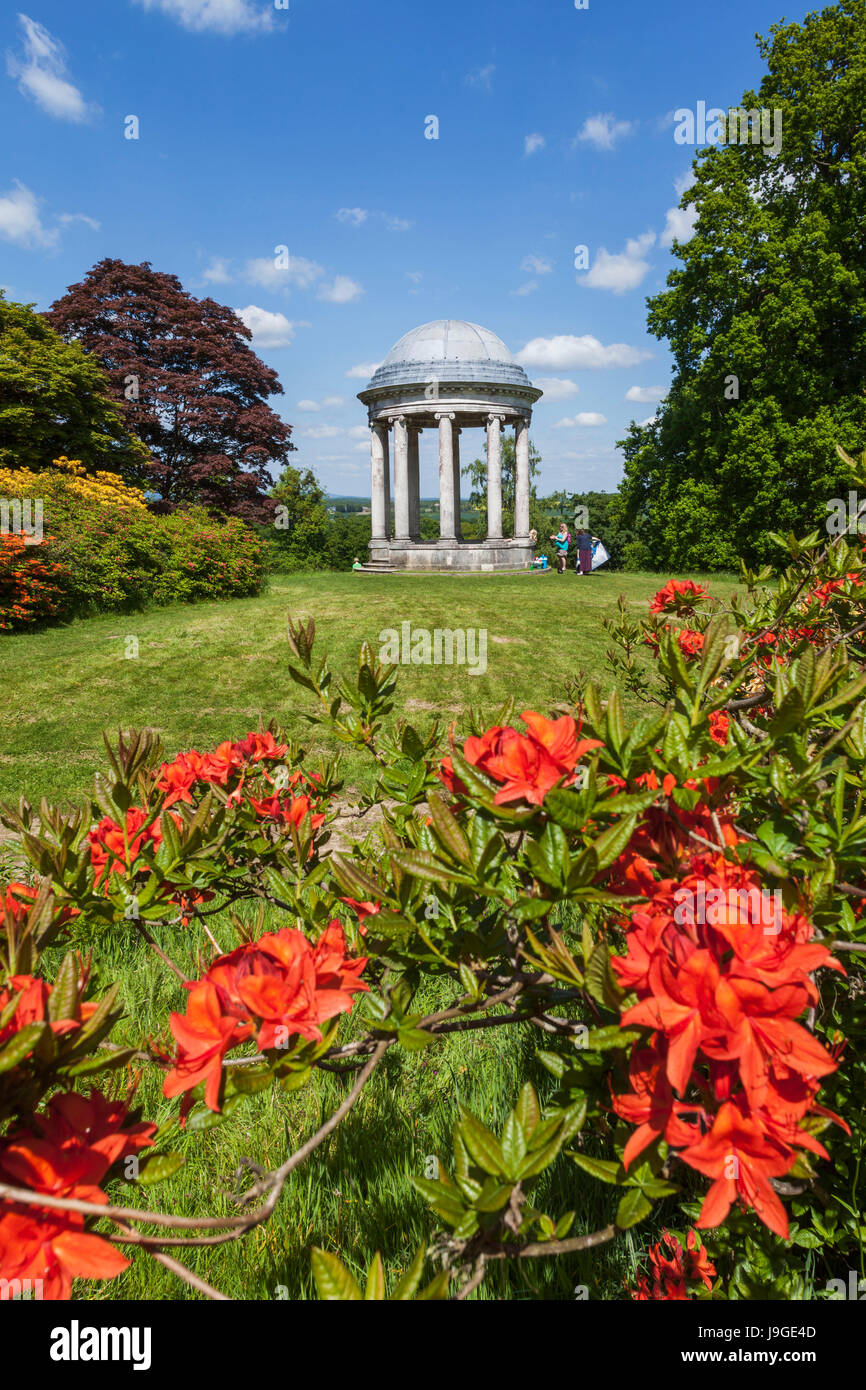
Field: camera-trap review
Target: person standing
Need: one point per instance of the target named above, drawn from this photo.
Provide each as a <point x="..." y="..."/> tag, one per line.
<point x="584" y="552"/>
<point x="561" y="540"/>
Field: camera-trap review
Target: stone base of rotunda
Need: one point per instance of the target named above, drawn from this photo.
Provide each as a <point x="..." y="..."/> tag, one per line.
<point x="458" y="556"/>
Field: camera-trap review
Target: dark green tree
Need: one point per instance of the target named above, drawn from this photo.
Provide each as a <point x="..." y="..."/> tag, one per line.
<point x="55" y="400"/>
<point x="766" y="318"/>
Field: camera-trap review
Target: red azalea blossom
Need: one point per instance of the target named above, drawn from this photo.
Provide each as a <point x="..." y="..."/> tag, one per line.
<point x="722" y="973"/>
<point x="279" y="986"/>
<point x="527" y="765"/>
<point x="690" y="642"/>
<point x="677" y="594"/>
<point x="67" y="1154"/>
<point x="672" y="1267"/>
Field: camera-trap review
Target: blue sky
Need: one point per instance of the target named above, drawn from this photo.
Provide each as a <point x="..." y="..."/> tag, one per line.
<point x="305" y="128"/>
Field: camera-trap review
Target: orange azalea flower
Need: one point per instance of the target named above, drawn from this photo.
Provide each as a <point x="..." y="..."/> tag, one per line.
<point x="720" y="723"/>
<point x="178" y="778"/>
<point x="741" y="1159"/>
<point x="677" y="595"/>
<point x="528" y="765"/>
<point x="204" y="1035"/>
<point x="287" y="812"/>
<point x="277" y="987"/>
<point x="79" y="1139"/>
<point x="108" y="854"/>
<point x="690" y="642"/>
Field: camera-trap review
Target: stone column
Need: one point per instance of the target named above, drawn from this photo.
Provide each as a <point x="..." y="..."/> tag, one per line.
<point x="386" y="448"/>
<point x="414" y="482"/>
<point x="378" y="475"/>
<point x="401" y="479"/>
<point x="446" y="479"/>
<point x="521" y="482"/>
<point x="458" y="531"/>
<point x="494" y="477"/>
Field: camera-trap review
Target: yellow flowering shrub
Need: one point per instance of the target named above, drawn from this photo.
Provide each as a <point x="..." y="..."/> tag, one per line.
<point x="104" y="487"/>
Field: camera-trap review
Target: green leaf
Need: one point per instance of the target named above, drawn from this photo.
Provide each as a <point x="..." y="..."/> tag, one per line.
<point x="157" y="1167"/>
<point x="632" y="1209"/>
<point x="333" y="1280"/>
<point x="513" y="1145"/>
<point x="600" y="980"/>
<point x="599" y="1167"/>
<point x="375" y="1290"/>
<point x="448" y="830"/>
<point x="64" y="995"/>
<point x="21" y="1045"/>
<point x="527" y="1110"/>
<point x="408" y="1285"/>
<point x="482" y="1145"/>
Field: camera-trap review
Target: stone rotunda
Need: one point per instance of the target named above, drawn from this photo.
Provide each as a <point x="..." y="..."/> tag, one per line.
<point x="447" y="376"/>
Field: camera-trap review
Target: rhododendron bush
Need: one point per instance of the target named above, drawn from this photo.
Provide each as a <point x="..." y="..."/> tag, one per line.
<point x="670" y="905"/>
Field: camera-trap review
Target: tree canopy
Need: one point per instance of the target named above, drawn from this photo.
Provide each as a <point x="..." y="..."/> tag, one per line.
<point x="56" y="400"/>
<point x="189" y="383"/>
<point x="766" y="318"/>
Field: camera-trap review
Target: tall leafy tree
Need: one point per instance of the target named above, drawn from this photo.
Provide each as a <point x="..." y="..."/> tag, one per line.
<point x="191" y="386"/>
<point x="55" y="400"/>
<point x="476" y="472"/>
<point x="766" y="318"/>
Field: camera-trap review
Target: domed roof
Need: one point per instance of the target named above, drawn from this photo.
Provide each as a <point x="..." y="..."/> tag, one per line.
<point x="448" y="340"/>
<point x="448" y="350"/>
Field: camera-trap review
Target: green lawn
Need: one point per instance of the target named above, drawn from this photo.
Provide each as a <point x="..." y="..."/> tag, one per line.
<point x="206" y="672"/>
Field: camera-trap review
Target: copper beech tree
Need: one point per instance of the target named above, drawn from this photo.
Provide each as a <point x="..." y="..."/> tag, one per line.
<point x="190" y="385"/>
<point x="672" y="906"/>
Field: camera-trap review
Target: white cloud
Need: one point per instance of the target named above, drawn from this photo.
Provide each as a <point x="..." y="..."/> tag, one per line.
<point x="647" y="395"/>
<point x="650" y="420"/>
<point x="68" y="218"/>
<point x="566" y="352"/>
<point x="679" y="225"/>
<point x="333" y="401"/>
<point x="529" y="288"/>
<point x="217" y="273"/>
<point x="680" y="222"/>
<point x="357" y="216"/>
<point x="363" y="371"/>
<point x="269" y="330"/>
<point x="536" y="265"/>
<point x="322" y="432"/>
<point x="416" y="276"/>
<point x="603" y="131"/>
<point x="217" y="16"/>
<point x="556" y="388"/>
<point x="41" y="74"/>
<point x="266" y="272"/>
<point x="531" y="143"/>
<point x="481" y="77"/>
<point x="685" y="181"/>
<point x="308" y="405"/>
<point x="341" y="290"/>
<point x="585" y="419"/>
<point x="20" y="221"/>
<point x="354" y="215"/>
<point x="620" y="272"/>
<point x="359" y="432"/>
